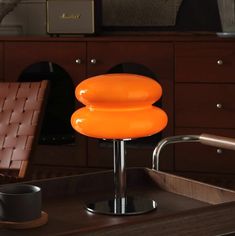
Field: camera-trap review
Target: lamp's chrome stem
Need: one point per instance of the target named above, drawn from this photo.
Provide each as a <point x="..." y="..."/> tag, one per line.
<point x="119" y="168"/>
<point x="121" y="204"/>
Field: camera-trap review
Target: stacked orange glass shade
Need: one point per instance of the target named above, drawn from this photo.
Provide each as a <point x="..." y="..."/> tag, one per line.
<point x="118" y="106"/>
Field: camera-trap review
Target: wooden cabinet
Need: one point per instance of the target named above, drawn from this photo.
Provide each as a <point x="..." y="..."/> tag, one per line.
<point x="204" y="103"/>
<point x="197" y="77"/>
<point x="82" y="59"/>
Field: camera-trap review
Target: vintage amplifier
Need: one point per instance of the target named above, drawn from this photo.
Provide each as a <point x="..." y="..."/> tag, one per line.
<point x="73" y="16"/>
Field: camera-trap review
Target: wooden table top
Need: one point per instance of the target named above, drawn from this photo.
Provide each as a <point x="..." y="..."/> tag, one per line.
<point x="185" y="207"/>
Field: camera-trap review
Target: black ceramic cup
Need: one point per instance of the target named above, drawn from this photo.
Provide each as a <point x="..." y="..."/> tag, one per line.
<point x="20" y="202"/>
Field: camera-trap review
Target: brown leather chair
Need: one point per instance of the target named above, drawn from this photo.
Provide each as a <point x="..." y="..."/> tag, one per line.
<point x="21" y="106"/>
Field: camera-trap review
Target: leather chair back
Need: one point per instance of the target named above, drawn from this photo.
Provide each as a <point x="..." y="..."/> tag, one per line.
<point x="21" y="106"/>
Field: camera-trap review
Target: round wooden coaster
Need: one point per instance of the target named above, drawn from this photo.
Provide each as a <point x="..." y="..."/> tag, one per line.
<point x="27" y="224"/>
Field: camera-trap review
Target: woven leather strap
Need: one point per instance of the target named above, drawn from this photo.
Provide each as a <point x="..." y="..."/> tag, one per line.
<point x="20" y="106"/>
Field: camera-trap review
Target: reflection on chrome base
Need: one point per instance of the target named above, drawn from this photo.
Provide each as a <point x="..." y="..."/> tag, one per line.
<point x="122" y="206"/>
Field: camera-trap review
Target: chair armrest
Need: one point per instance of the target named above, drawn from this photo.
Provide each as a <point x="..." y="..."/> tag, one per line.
<point x="207" y="139"/>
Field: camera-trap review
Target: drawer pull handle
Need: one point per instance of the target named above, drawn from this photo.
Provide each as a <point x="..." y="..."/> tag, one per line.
<point x="219" y="105"/>
<point x="93" y="61"/>
<point x="219" y="151"/>
<point x="220" y="62"/>
<point x="78" y="61"/>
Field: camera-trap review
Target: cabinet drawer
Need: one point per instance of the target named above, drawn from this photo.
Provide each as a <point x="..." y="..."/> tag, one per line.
<point x="205" y="105"/>
<point x="203" y="158"/>
<point x="205" y="62"/>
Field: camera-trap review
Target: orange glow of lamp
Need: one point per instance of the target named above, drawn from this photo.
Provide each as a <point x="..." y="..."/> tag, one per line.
<point x="119" y="107"/>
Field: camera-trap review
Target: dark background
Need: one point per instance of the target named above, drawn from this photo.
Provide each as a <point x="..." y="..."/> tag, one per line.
<point x="193" y="15"/>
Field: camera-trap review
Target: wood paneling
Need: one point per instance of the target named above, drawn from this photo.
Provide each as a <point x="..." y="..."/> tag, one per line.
<point x="20" y="55"/>
<point x="196" y="105"/>
<point x="198" y="62"/>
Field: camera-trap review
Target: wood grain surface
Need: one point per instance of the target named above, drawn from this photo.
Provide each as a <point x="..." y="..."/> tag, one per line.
<point x="184" y="206"/>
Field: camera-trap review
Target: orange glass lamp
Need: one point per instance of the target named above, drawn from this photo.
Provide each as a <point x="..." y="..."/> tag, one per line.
<point x="119" y="107"/>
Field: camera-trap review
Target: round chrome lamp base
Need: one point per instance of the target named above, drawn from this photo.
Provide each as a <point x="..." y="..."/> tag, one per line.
<point x="122" y="206"/>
